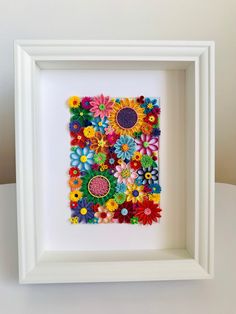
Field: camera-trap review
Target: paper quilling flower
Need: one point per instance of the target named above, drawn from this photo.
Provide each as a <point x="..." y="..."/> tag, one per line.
<point x="114" y="160"/>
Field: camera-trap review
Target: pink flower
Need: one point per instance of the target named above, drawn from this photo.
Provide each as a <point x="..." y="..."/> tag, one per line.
<point x="103" y="215"/>
<point x="101" y="106"/>
<point x="147" y="144"/>
<point x="85" y="103"/>
<point x="109" y="130"/>
<point x="112" y="138"/>
<point x="125" y="174"/>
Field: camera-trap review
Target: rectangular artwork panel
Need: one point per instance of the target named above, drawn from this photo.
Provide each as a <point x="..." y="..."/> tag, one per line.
<point x="114" y="174"/>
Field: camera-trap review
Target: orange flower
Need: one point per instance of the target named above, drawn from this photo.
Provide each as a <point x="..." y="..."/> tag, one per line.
<point x="146" y="128"/>
<point x="99" y="143"/>
<point x="75" y="183"/>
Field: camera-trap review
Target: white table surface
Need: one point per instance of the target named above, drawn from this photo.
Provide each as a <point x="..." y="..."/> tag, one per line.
<point x="216" y="296"/>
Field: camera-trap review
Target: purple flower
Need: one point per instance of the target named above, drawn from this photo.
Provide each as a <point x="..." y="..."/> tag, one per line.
<point x="83" y="211"/>
<point x="74" y="126"/>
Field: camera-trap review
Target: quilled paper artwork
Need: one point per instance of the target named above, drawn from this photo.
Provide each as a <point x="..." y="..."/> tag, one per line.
<point x="114" y="170"/>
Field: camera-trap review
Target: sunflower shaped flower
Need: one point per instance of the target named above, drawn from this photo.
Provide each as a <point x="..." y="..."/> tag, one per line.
<point x="125" y="147"/>
<point x="82" y="158"/>
<point x="134" y="193"/>
<point x="126" y="117"/>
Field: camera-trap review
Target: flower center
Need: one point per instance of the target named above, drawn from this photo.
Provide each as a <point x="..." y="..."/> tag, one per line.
<point x="102" y="107"/>
<point x="100" y="123"/>
<point x="124" y="211"/>
<point x="76" y="182"/>
<point x="83" y="158"/>
<point x="111" y="161"/>
<point x="145" y="144"/>
<point x="75" y="102"/>
<point x="151" y="119"/>
<point x="103" y="215"/>
<point x="147" y="211"/>
<point x="99" y="186"/>
<point x="79" y="137"/>
<point x="125" y="147"/>
<point x="150" y="106"/>
<point x="127" y="118"/>
<point x="81" y="113"/>
<point x="125" y="173"/>
<point x="75" y="172"/>
<point x="75" y="126"/>
<point x="135" y="193"/>
<point x="83" y="211"/>
<point x="148" y="175"/>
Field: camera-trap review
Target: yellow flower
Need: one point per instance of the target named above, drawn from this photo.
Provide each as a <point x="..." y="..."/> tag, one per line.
<point x="154" y="197"/>
<point x="103" y="167"/>
<point x="111" y="205"/>
<point x="89" y="132"/>
<point x="74" y="220"/>
<point x="119" y="111"/>
<point x="74" y="102"/>
<point x="75" y="195"/>
<point x="134" y="193"/>
<point x="137" y="156"/>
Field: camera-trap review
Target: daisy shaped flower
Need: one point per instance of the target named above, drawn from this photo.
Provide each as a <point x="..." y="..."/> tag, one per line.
<point x="125" y="147"/>
<point x="125" y="174"/>
<point x="84" y="210"/>
<point x="101" y="106"/>
<point x="82" y="158"/>
<point x="100" y="124"/>
<point x="104" y="215"/>
<point x="148" y="175"/>
<point x="148" y="212"/>
<point x="147" y="144"/>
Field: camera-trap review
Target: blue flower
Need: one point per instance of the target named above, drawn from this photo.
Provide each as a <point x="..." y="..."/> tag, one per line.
<point x="121" y="188"/>
<point x="149" y="104"/>
<point x="83" y="211"/>
<point x="100" y="124"/>
<point x="138" y="181"/>
<point x="82" y="158"/>
<point x="155" y="188"/>
<point x="156" y="132"/>
<point x="74" y="126"/>
<point x="125" y="147"/>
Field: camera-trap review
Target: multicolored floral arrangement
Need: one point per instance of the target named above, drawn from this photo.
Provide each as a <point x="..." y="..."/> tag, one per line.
<point x="114" y="174"/>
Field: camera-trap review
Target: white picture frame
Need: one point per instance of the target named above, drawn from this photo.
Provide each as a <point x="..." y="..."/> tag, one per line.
<point x="196" y="260"/>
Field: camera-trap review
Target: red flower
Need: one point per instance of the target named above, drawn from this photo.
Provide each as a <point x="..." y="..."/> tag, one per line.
<point x="148" y="212"/>
<point x="74" y="172"/>
<point x="112" y="138"/>
<point x="111" y="161"/>
<point x="95" y="207"/>
<point x="140" y="100"/>
<point x="73" y="205"/>
<point x="151" y="118"/>
<point x="79" y="139"/>
<point x="147" y="189"/>
<point x="124" y="212"/>
<point x="135" y="164"/>
<point x="95" y="167"/>
<point x="156" y="111"/>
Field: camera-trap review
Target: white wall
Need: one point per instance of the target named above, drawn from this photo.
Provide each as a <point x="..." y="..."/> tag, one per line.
<point x="124" y="19"/>
<point x="215" y="296"/>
